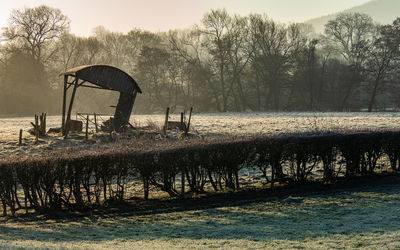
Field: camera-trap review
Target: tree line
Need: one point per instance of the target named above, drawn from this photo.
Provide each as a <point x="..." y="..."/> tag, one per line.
<point x="224" y="63"/>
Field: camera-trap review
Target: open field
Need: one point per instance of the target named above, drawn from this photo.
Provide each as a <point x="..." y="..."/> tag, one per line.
<point x="352" y="218"/>
<point x="241" y="123"/>
<point x="204" y="125"/>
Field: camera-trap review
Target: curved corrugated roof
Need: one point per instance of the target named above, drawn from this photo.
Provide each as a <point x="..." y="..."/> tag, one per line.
<point x="105" y="76"/>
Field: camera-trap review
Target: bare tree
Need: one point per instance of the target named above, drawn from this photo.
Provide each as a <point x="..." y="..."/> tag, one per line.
<point x="226" y="39"/>
<point x="114" y="46"/>
<point x="381" y="63"/>
<point x="305" y="87"/>
<point x="78" y="50"/>
<point x="276" y="49"/>
<point x="215" y="29"/>
<point x="240" y="54"/>
<point x="136" y="41"/>
<point x="68" y="56"/>
<point x="153" y="71"/>
<point x="187" y="45"/>
<point x="34" y="28"/>
<point x="352" y="33"/>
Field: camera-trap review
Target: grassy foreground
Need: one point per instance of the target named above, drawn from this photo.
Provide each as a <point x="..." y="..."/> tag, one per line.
<point x="356" y="218"/>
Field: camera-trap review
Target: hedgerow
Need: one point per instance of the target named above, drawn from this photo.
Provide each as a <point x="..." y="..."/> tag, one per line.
<point x="76" y="178"/>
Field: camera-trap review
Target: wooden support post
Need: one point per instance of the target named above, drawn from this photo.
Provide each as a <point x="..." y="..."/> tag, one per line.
<point x="166" y="121"/>
<point x="188" y="125"/>
<point x="95" y="123"/>
<point x="70" y="109"/>
<point x="64" y="103"/>
<point x="87" y="128"/>
<point x="36" y="128"/>
<point x="20" y="137"/>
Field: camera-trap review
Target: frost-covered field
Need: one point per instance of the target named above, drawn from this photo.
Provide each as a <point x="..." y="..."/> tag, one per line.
<point x="241" y="123"/>
<point x="360" y="218"/>
<point x="202" y="124"/>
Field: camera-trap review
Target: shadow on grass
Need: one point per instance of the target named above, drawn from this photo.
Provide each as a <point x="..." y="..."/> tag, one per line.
<point x="362" y="211"/>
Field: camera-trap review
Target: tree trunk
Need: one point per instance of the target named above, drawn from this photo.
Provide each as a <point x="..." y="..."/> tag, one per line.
<point x="373" y="94"/>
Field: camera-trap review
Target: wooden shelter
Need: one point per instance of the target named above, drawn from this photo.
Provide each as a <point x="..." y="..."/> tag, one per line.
<point x="101" y="77"/>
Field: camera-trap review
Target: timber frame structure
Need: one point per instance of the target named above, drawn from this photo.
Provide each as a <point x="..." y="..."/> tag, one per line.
<point x="100" y="77"/>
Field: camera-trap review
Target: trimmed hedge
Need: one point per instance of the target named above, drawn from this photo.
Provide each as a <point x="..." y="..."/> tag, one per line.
<point x="77" y="178"/>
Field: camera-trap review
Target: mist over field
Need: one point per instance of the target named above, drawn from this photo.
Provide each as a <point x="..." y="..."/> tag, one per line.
<point x="226" y="62"/>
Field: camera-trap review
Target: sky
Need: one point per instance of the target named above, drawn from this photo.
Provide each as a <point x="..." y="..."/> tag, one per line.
<point x="163" y="15"/>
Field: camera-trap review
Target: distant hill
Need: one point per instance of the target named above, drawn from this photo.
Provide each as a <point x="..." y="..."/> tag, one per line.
<point x="382" y="11"/>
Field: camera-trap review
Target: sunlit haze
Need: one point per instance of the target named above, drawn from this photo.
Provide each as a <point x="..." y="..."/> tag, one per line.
<point x="157" y="15"/>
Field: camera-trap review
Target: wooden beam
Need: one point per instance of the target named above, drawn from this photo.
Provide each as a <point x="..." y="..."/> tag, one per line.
<point x="64" y="104"/>
<point x="92" y="87"/>
<point x="80" y="84"/>
<point x="87" y="86"/>
<point x="70" y="109"/>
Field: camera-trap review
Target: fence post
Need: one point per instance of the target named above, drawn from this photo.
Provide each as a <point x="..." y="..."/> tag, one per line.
<point x="95" y="122"/>
<point x="87" y="128"/>
<point x="182" y="122"/>
<point x="36" y="128"/>
<point x="190" y="117"/>
<point x="44" y="123"/>
<point x="166" y="121"/>
<point x="20" y="137"/>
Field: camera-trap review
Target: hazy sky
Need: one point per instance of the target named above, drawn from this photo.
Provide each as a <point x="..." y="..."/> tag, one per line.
<point x="162" y="15"/>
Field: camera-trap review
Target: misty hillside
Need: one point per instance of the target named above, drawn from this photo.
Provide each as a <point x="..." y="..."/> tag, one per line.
<point x="382" y="11"/>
